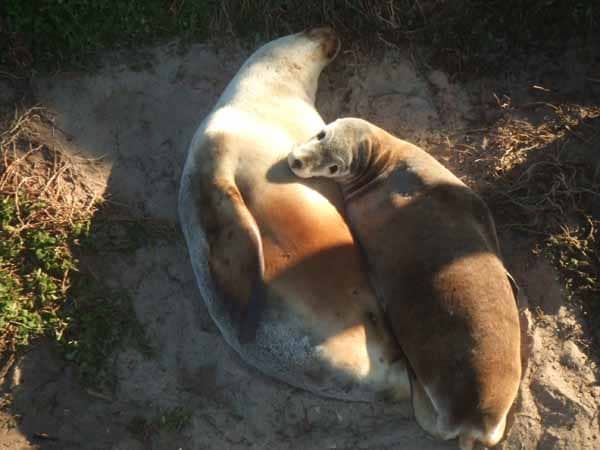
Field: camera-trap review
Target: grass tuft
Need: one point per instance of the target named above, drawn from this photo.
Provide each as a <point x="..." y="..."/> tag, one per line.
<point x="543" y="179"/>
<point x="46" y="211"/>
<point x="47" y="32"/>
<point x="42" y="219"/>
<point x="168" y="420"/>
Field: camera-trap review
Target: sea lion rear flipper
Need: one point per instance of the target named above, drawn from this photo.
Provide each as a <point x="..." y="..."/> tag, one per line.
<point x="514" y="286"/>
<point x="423" y="409"/>
<point x="251" y="316"/>
<point x="236" y="256"/>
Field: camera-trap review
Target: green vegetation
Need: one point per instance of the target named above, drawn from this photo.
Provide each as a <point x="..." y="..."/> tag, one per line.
<point x="66" y="31"/>
<point x="175" y="419"/>
<point x="35" y="264"/>
<point x="575" y="250"/>
<point x="99" y="320"/>
<point x="544" y="181"/>
<point x="42" y="292"/>
<point x="46" y="221"/>
<point x="169" y="420"/>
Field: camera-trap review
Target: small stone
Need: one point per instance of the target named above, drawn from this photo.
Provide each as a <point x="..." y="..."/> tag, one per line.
<point x="550" y="440"/>
<point x="552" y="392"/>
<point x="439" y="79"/>
<point x="572" y="357"/>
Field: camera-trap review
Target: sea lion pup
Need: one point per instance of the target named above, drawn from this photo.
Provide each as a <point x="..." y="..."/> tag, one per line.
<point x="433" y="256"/>
<point x="293" y="301"/>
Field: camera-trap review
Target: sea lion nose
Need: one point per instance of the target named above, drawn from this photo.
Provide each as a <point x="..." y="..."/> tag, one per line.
<point x="296" y="164"/>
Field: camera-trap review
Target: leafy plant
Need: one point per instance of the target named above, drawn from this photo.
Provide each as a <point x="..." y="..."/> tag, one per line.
<point x="42" y="291"/>
<point x="66" y="31"/>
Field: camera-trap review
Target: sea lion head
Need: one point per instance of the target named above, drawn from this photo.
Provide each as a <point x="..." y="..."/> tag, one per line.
<point x="327" y="40"/>
<point x="296" y="60"/>
<point x="331" y="152"/>
<point x="314" y="47"/>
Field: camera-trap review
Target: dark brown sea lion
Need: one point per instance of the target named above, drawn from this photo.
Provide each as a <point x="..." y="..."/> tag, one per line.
<point x="433" y="255"/>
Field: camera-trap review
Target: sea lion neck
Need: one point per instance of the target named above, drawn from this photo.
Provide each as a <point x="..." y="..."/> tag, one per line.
<point x="371" y="162"/>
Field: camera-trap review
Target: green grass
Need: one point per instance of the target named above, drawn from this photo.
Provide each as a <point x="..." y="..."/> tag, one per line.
<point x="575" y="251"/>
<point x="99" y="320"/>
<point x="48" y="219"/>
<point x="66" y="32"/>
<point x="544" y="182"/>
<point x="175" y="419"/>
<point x="43" y="293"/>
<point x="35" y="265"/>
<point x="169" y="420"/>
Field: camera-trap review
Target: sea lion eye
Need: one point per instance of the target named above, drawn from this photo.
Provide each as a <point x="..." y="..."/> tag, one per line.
<point x="321" y="135"/>
<point x="333" y="169"/>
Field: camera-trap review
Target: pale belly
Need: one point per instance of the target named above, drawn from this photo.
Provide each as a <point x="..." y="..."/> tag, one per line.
<point x="322" y="329"/>
<point x="316" y="275"/>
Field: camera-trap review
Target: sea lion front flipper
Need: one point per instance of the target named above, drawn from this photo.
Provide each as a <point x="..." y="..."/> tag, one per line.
<point x="235" y="257"/>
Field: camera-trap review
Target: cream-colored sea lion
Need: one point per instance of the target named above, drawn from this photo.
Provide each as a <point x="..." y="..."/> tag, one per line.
<point x="276" y="263"/>
<point x="433" y="256"/>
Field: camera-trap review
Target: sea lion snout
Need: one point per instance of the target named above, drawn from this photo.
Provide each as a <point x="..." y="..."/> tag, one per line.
<point x="319" y="157"/>
<point x="298" y="163"/>
<point x="330" y="43"/>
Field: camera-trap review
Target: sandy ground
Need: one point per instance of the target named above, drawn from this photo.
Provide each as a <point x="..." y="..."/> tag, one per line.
<point x="133" y="117"/>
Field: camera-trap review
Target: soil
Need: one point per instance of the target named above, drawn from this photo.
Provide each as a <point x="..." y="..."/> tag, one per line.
<point x="129" y="122"/>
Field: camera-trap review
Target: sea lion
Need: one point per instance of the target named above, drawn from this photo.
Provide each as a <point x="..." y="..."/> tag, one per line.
<point x="276" y="264"/>
<point x="434" y="258"/>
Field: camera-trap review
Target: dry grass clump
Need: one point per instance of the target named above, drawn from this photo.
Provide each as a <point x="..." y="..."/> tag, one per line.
<point x="45" y="206"/>
<point x="517" y="138"/>
<point x="462" y="32"/>
<point x="32" y="170"/>
<point x="544" y="179"/>
<point x="547" y="171"/>
<point x="358" y="17"/>
<point x="49" y="208"/>
<point x="472" y="35"/>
